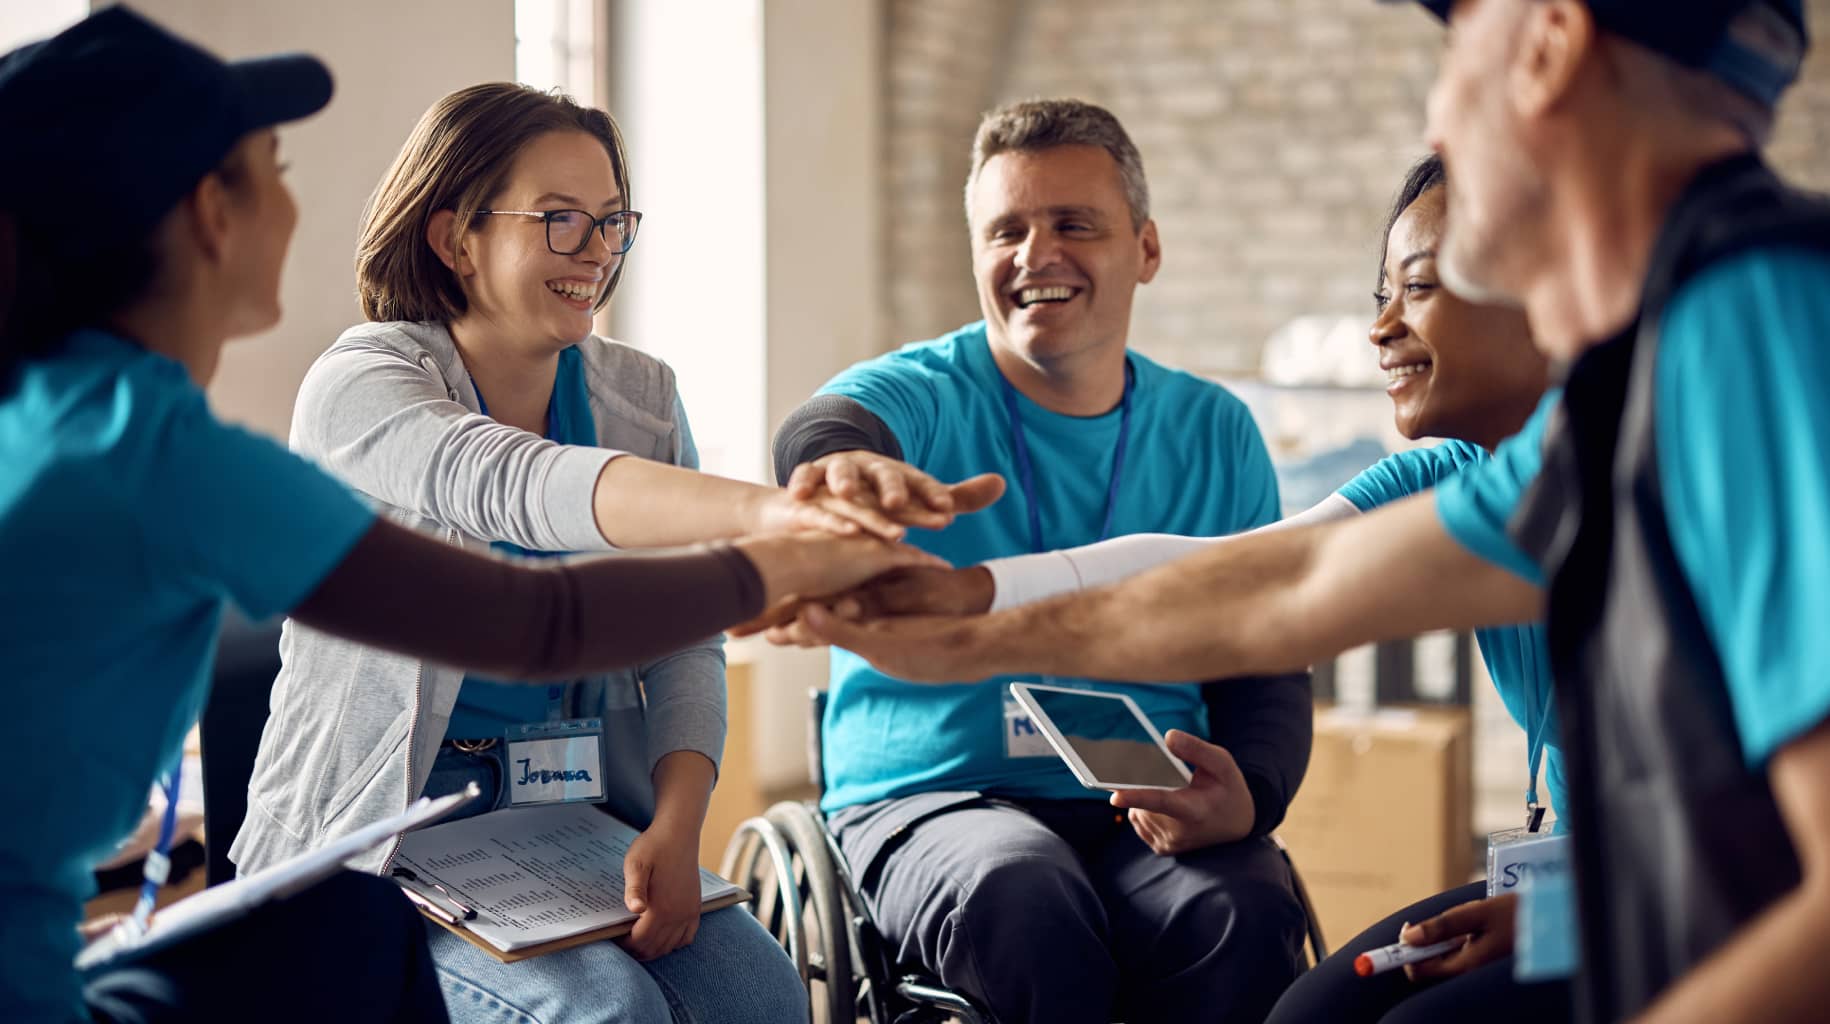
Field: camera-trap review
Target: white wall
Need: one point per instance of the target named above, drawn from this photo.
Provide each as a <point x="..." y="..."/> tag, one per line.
<point x="685" y="85"/>
<point x="822" y="119"/>
<point x="391" y="60"/>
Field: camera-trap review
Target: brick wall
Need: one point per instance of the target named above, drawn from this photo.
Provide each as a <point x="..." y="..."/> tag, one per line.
<point x="944" y="65"/>
<point x="1273" y="132"/>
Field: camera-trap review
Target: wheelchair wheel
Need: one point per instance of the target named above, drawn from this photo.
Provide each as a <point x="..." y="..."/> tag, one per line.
<point x="759" y="859"/>
<point x="829" y="938"/>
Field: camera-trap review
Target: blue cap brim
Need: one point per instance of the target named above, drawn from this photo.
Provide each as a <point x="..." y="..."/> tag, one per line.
<point x="281" y="88"/>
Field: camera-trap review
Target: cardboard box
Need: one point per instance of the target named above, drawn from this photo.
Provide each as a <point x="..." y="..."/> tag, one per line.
<point x="1384" y="816"/>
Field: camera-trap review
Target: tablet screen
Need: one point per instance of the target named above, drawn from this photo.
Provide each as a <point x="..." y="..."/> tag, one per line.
<point x="1111" y="741"/>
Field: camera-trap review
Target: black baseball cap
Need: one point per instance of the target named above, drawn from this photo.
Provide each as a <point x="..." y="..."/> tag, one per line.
<point x="107" y="125"/>
<point x="1755" y="46"/>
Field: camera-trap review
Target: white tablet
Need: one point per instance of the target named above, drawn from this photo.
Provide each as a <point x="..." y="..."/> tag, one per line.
<point x="1103" y="737"/>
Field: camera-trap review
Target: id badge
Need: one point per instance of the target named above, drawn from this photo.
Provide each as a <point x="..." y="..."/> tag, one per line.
<point x="1545" y="937"/>
<point x="1021" y="737"/>
<point x="556" y="762"/>
<point x="1516" y="854"/>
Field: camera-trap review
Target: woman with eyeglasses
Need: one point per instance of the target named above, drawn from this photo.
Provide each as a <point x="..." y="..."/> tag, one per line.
<point x="477" y="406"/>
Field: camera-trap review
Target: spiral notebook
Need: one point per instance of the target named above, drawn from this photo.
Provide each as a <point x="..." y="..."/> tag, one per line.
<point x="524" y="881"/>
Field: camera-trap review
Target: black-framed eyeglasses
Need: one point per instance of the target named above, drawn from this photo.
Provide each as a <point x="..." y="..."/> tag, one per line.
<point x="569" y="231"/>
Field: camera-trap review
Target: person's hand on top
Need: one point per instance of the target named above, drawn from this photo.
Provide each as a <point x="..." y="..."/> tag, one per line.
<point x="849" y="491"/>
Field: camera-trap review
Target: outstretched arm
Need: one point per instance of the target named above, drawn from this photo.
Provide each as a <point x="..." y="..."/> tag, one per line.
<point x="1024" y="579"/>
<point x="404" y="592"/>
<point x="1004" y="583"/>
<point x="392" y="429"/>
<point x="1258" y="604"/>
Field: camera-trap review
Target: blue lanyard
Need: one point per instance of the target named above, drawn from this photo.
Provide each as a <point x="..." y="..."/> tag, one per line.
<point x="159" y="861"/>
<point x="1537" y="727"/>
<point x="1026" y="472"/>
<point x="555" y="694"/>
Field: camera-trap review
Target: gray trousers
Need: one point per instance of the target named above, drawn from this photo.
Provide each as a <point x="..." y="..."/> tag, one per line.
<point x="1054" y="911"/>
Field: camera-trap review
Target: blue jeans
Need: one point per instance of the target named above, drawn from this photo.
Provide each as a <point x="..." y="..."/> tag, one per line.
<point x="732" y="972"/>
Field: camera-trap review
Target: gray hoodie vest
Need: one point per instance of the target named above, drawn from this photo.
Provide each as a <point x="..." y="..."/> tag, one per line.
<point x="390" y="410"/>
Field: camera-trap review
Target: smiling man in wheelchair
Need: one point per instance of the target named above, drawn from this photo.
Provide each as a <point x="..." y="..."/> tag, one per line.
<point x="982" y="858"/>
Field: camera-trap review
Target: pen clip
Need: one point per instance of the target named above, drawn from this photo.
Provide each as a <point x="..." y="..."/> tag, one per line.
<point x="428" y="906"/>
<point x="468" y="913"/>
<point x="465" y="912"/>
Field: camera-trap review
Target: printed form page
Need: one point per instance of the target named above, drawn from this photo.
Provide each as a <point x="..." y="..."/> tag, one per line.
<point x="533" y="874"/>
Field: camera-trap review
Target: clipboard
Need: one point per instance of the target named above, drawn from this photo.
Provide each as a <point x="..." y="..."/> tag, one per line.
<point x="521" y="882"/>
<point x="615" y="931"/>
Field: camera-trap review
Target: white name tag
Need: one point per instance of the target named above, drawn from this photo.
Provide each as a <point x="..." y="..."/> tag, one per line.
<point x="1515" y="854"/>
<point x="556" y="762"/>
<point x="1021" y="737"/>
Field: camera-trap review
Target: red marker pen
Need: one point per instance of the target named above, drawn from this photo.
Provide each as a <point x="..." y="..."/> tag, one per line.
<point x="1378" y="961"/>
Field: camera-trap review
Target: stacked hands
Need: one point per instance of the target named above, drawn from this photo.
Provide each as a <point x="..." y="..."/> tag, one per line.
<point x="888" y="616"/>
<point x="922" y="621"/>
<point x="840" y="522"/>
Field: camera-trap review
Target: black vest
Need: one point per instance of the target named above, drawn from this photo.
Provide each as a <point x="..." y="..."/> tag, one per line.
<point x="1677" y="844"/>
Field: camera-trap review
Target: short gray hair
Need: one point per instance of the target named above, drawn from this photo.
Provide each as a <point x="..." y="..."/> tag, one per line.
<point x="1031" y="125"/>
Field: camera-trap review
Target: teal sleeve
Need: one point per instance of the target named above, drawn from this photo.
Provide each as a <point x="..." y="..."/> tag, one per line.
<point x="1259" y="502"/>
<point x="1743" y="434"/>
<point x="897" y="392"/>
<point x="238" y="516"/>
<point x="1406" y="473"/>
<point x="1475" y="505"/>
<point x="686" y="450"/>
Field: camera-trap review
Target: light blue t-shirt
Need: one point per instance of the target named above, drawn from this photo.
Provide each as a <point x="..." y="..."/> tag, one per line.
<point x="1475" y="506"/>
<point x="1516" y="656"/>
<point x="486" y="708"/>
<point x="1194" y="464"/>
<point x="128" y="516"/>
<point x="1742" y="426"/>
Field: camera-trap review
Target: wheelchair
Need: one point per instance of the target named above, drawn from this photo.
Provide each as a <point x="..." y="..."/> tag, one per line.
<point x="808" y="898"/>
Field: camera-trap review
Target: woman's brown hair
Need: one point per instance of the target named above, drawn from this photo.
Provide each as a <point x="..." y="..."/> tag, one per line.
<point x="457" y="159"/>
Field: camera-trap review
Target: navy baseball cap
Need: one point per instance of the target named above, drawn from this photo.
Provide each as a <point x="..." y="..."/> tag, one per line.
<point x="1755" y="46"/>
<point x="107" y="125"/>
